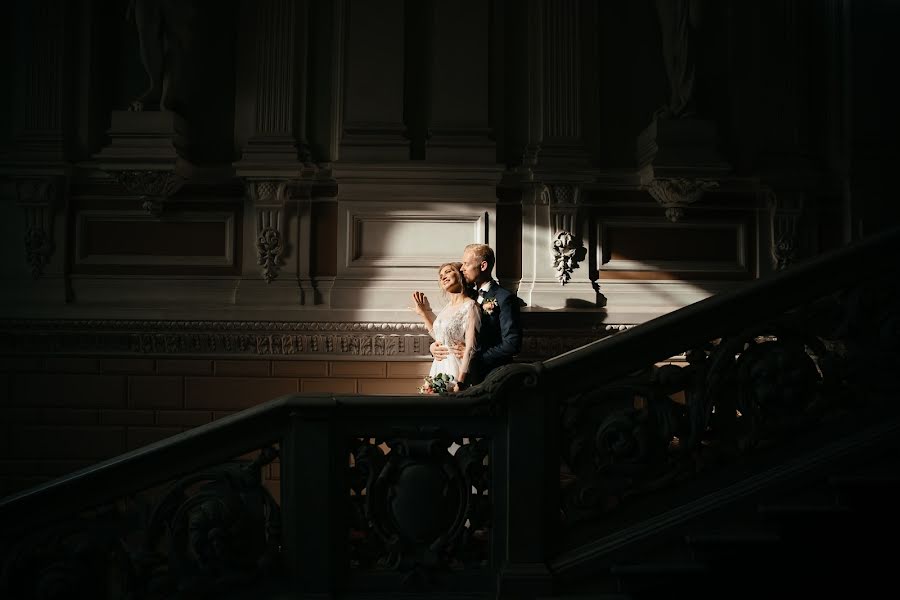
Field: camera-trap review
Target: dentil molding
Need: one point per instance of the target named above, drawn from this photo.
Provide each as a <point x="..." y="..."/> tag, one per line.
<point x="269" y="339"/>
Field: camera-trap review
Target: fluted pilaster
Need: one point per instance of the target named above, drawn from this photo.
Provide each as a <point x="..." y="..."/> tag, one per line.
<point x="562" y="106"/>
<point x="42" y="105"/>
<point x="277" y="43"/>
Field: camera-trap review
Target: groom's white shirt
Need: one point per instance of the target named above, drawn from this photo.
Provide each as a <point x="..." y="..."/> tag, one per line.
<point x="486" y="286"/>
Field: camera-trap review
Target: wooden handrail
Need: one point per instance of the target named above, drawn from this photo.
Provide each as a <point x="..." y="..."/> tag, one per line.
<point x="192" y="450"/>
<point x="670" y="334"/>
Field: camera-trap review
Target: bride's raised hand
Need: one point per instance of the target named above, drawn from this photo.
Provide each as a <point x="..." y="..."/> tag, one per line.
<point x="420" y="303"/>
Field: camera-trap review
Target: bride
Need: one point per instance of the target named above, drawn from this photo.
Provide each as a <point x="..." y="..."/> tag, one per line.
<point x="458" y="321"/>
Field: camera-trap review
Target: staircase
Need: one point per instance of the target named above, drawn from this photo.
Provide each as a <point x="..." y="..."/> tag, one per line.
<point x="831" y="542"/>
<point x="768" y="462"/>
<point x="819" y="523"/>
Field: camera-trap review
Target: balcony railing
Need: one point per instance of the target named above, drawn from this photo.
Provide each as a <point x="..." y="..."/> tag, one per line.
<point x="494" y="491"/>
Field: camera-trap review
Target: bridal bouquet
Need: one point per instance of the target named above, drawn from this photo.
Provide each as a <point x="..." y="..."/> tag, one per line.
<point x="439" y="384"/>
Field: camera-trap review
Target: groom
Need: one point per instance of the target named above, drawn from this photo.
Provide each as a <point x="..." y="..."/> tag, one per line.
<point x="500" y="337"/>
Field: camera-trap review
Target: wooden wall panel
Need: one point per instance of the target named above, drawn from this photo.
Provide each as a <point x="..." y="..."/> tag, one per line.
<point x="196" y="240"/>
<point x="700" y="248"/>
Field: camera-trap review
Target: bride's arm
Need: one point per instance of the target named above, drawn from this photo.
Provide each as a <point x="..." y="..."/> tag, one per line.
<point x="423" y="309"/>
<point x="473" y="324"/>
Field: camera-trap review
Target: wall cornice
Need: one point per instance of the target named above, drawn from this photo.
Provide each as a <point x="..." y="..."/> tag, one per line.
<point x="269" y="339"/>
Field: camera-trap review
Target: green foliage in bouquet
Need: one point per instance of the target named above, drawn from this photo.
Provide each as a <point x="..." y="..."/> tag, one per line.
<point x="439" y="384"/>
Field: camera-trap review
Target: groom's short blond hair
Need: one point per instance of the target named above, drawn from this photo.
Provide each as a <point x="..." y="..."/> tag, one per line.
<point x="483" y="253"/>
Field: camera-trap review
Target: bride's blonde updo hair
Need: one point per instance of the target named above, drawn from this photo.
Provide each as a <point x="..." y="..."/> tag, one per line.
<point x="458" y="285"/>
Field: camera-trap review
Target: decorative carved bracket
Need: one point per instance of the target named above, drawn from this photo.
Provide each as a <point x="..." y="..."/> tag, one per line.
<point x="269" y="197"/>
<point x="37" y="197"/>
<point x="676" y="194"/>
<point x="785" y="213"/>
<point x="566" y="247"/>
<point x="153" y="188"/>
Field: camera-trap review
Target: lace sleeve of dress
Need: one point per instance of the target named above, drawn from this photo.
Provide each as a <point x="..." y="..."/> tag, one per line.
<point x="473" y="325"/>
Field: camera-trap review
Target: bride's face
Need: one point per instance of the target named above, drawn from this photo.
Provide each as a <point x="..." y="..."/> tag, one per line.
<point x="450" y="280"/>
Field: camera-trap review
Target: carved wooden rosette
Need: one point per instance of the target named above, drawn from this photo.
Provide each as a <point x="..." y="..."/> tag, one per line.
<point x="152" y="187"/>
<point x="784" y="213"/>
<point x="675" y="194"/>
<point x="38" y="199"/>
<point x="567" y="248"/>
<point x="423" y="506"/>
<point x="269" y="199"/>
<point x="222" y="527"/>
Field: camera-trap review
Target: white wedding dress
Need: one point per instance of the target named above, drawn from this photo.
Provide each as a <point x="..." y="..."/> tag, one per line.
<point x="453" y="324"/>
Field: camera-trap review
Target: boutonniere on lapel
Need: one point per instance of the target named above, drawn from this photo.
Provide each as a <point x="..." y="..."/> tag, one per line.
<point x="489" y="304"/>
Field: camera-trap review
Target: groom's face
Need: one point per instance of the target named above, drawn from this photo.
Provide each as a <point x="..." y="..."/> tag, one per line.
<point x="471" y="267"/>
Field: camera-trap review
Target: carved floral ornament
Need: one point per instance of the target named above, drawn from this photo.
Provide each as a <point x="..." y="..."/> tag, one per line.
<point x="269" y="197"/>
<point x="565" y="256"/>
<point x="152" y="187"/>
<point x="785" y="213"/>
<point x="566" y="248"/>
<point x="677" y="193"/>
<point x="37" y="198"/>
<point x="269" y="247"/>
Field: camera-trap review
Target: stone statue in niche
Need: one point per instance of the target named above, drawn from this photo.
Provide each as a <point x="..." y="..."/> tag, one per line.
<point x="161" y="29"/>
<point x="679" y="21"/>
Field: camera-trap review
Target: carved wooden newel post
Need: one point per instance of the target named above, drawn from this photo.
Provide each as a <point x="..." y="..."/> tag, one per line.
<point x="309" y="502"/>
<point x="526" y="503"/>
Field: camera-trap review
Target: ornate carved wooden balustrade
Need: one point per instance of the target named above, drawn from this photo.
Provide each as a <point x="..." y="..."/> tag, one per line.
<point x="377" y="493"/>
<point x="505" y="489"/>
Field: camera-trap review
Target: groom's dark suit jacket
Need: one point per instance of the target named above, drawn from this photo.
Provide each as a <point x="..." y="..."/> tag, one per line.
<point x="500" y="337"/>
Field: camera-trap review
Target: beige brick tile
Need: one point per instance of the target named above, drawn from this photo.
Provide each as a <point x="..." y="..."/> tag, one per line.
<point x="20" y="364"/>
<point x="137" y="366"/>
<point x="248" y="457"/>
<point x="69" y="416"/>
<point x="334" y="386"/>
<point x="155" y="391"/>
<point x="234" y="393"/>
<point x="274" y="488"/>
<point x="5" y="390"/>
<point x="300" y="368"/>
<point x="408" y="369"/>
<point x="65" y="364"/>
<point x="21" y="415"/>
<point x="53" y="468"/>
<point x="138" y="437"/>
<point x="389" y="386"/>
<point x="72" y="390"/>
<point x="358" y="369"/>
<point x="126" y="417"/>
<point x="68" y="442"/>
<point x="52" y="416"/>
<point x="11" y="484"/>
<point x="183" y="418"/>
<point x="184" y="367"/>
<point x="242" y="368"/>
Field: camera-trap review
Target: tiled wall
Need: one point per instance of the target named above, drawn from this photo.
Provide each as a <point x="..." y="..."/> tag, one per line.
<point x="59" y="414"/>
